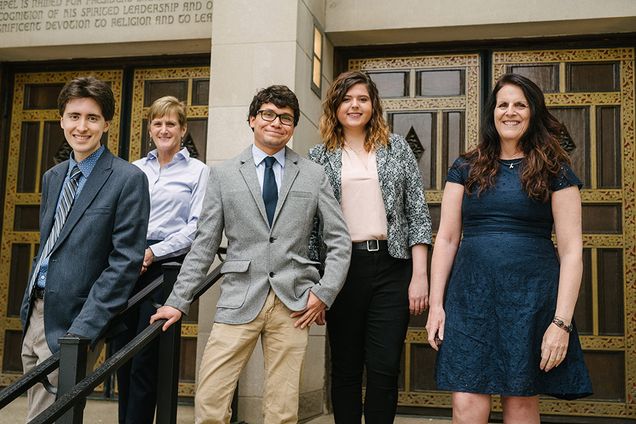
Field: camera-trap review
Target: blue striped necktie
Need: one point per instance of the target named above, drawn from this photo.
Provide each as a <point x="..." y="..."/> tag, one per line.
<point x="270" y="189"/>
<point x="66" y="201"/>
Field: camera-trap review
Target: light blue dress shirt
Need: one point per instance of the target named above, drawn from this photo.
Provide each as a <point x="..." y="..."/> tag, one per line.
<point x="278" y="168"/>
<point x="86" y="166"/>
<point x="176" y="197"/>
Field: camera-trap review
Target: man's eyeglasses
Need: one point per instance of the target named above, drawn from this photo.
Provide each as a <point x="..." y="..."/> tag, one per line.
<point x="270" y="116"/>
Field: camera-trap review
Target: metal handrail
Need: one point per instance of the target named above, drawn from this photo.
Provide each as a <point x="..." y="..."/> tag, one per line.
<point x="40" y="372"/>
<point x="88" y="384"/>
<point x="24" y="383"/>
<point x="84" y="387"/>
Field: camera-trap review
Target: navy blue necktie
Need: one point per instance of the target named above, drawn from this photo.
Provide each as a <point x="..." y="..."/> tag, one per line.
<point x="270" y="189"/>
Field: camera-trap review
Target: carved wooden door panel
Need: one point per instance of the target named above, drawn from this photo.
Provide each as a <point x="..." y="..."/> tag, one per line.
<point x="37" y="143"/>
<point x="433" y="101"/>
<point x="592" y="92"/>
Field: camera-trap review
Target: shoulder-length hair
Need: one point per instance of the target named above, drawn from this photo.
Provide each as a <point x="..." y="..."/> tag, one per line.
<point x="331" y="130"/>
<point x="540" y="144"/>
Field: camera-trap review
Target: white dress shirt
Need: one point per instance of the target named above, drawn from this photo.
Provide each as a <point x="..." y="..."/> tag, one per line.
<point x="278" y="168"/>
<point x="176" y="196"/>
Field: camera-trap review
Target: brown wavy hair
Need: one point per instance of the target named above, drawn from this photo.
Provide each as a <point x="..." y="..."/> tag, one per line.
<point x="540" y="144"/>
<point x="331" y="130"/>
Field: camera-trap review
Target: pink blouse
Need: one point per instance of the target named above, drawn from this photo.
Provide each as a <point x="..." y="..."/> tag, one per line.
<point x="362" y="204"/>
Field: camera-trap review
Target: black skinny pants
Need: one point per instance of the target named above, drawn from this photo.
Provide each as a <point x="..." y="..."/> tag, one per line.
<point x="366" y="326"/>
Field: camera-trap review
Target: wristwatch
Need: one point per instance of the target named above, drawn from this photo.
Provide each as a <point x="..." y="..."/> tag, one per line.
<point x="561" y="324"/>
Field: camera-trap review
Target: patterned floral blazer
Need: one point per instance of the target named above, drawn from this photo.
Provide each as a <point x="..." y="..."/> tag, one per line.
<point x="408" y="219"/>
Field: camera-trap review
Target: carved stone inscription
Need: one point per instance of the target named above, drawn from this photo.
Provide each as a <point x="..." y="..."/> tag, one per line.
<point x="29" y="16"/>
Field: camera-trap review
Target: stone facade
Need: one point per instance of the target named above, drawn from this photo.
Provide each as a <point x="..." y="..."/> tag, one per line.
<point x="253" y="44"/>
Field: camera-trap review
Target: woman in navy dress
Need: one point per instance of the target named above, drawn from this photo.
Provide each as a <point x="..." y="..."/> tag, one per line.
<point x="503" y="323"/>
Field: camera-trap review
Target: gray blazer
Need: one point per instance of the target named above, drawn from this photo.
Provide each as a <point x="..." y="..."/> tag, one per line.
<point x="97" y="257"/>
<point x="408" y="219"/>
<point x="259" y="257"/>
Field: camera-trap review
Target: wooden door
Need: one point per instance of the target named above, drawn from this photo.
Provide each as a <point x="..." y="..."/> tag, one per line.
<point x="433" y="101"/>
<point x="592" y="92"/>
<point x="37" y="143"/>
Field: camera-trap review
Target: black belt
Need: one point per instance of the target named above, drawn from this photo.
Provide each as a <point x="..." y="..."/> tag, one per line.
<point x="38" y="292"/>
<point x="371" y="245"/>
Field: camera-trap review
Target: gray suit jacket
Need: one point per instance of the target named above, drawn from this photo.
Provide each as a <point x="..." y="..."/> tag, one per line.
<point x="259" y="257"/>
<point x="97" y="257"/>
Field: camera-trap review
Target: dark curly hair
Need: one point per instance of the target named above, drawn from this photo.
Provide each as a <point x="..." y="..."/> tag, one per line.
<point x="540" y="144"/>
<point x="279" y="95"/>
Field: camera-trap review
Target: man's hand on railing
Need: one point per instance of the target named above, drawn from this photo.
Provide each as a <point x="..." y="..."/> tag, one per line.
<point x="167" y="312"/>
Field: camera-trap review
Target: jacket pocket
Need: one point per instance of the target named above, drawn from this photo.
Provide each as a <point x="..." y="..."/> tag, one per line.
<point x="305" y="194"/>
<point x="235" y="285"/>
<point x="234" y="266"/>
<point x="97" y="211"/>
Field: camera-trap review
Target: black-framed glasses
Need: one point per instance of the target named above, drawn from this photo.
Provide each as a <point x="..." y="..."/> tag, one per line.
<point x="270" y="116"/>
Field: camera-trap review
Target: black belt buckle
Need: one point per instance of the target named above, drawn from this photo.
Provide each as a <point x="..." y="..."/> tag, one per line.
<point x="373" y="245"/>
<point x="38" y="293"/>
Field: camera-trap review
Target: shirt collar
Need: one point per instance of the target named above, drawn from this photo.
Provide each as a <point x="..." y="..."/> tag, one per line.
<point x="88" y="164"/>
<point x="259" y="156"/>
<point x="184" y="154"/>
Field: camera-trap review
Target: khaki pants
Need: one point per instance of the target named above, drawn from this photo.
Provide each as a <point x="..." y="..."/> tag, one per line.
<point x="34" y="351"/>
<point x="229" y="348"/>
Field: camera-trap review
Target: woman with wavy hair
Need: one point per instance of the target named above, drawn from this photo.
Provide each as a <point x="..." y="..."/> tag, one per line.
<point x="375" y="178"/>
<point x="503" y="323"/>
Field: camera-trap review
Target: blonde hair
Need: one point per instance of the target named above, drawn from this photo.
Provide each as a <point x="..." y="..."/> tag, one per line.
<point x="331" y="130"/>
<point x="167" y="105"/>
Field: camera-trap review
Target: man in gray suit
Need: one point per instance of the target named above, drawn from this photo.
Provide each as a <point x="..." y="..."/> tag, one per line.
<point x="93" y="222"/>
<point x="265" y="200"/>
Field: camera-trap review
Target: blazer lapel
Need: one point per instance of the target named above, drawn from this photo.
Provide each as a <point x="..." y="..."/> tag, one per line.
<point x="54" y="188"/>
<point x="248" y="171"/>
<point x="381" y="158"/>
<point x="99" y="176"/>
<point x="334" y="159"/>
<point x="289" y="175"/>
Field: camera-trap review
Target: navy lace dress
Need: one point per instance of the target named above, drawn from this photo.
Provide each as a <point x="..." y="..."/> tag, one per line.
<point x="502" y="294"/>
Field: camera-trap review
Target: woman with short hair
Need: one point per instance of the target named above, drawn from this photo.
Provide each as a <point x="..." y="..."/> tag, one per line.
<point x="177" y="185"/>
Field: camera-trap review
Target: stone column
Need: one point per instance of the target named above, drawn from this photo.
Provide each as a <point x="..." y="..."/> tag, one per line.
<point x="254" y="45"/>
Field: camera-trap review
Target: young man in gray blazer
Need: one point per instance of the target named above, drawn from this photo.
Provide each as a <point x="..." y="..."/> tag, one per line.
<point x="265" y="200"/>
<point x="93" y="222"/>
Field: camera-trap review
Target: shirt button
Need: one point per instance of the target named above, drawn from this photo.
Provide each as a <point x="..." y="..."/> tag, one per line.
<point x="271" y="274"/>
<point x="271" y="239"/>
